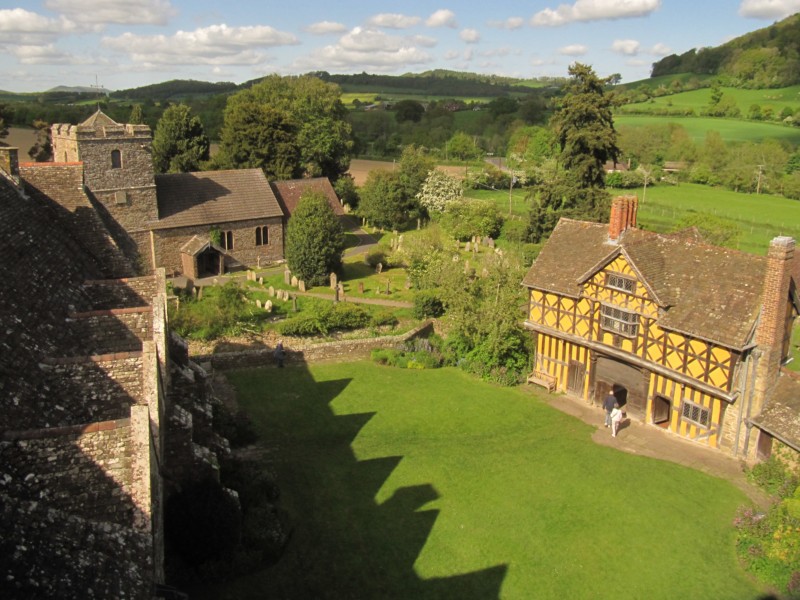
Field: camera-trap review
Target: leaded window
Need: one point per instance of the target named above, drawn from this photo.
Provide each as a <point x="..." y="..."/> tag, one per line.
<point x="696" y="414"/>
<point x="621" y="282"/>
<point x="619" y="321"/>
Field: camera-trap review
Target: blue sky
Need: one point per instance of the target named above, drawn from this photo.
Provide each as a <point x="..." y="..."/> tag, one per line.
<point x="129" y="43"/>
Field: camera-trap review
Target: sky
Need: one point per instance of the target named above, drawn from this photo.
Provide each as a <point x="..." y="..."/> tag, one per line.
<point x="120" y="44"/>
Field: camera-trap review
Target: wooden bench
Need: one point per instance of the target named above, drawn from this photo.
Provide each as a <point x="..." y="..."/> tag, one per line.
<point x="543" y="379"/>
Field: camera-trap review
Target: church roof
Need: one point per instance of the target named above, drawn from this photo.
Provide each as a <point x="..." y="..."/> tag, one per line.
<point x="705" y="291"/>
<point x="289" y="192"/>
<point x="214" y="197"/>
<point x="99" y="119"/>
<point x="780" y="416"/>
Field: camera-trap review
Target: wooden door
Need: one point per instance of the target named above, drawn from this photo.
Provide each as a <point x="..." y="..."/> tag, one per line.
<point x="576" y="372"/>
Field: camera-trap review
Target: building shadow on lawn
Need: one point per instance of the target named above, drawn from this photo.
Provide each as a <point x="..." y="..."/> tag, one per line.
<point x="344" y="544"/>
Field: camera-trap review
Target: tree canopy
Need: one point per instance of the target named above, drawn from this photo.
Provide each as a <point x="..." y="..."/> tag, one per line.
<point x="180" y="144"/>
<point x="305" y="107"/>
<point x="314" y="239"/>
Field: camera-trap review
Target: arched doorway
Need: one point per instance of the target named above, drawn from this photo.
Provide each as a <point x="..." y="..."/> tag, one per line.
<point x="625" y="381"/>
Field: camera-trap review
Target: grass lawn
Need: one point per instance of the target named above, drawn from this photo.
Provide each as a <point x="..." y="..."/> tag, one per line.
<point x="430" y="485"/>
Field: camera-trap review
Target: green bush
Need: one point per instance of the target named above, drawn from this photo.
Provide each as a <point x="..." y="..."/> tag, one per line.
<point x="774" y="477"/>
<point x="322" y="318"/>
<point x="221" y="311"/>
<point x="427" y="303"/>
<point x="378" y="254"/>
<point x="383" y="319"/>
<point x="417" y="355"/>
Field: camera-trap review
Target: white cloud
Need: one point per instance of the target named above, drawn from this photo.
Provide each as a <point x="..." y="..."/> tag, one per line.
<point x="392" y="21"/>
<point x="451" y="54"/>
<point x="660" y="49"/>
<point x="510" y="23"/>
<point x="365" y="48"/>
<point x="768" y="9"/>
<point x="214" y="45"/>
<point x="594" y="10"/>
<point x="470" y="36"/>
<point x="573" y="50"/>
<point x="100" y="13"/>
<point x="501" y="52"/>
<point x="325" y="27"/>
<point x="19" y="26"/>
<point x="626" y="47"/>
<point x="442" y="18"/>
<point x="43" y="55"/>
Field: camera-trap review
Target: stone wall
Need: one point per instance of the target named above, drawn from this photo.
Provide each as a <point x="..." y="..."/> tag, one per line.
<point x="83" y="470"/>
<point x="338" y="350"/>
<point x="168" y="243"/>
<point x="121" y="293"/>
<point x="112" y="331"/>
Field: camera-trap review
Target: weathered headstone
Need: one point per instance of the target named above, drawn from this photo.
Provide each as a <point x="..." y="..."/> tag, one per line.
<point x="294" y="281"/>
<point x="271" y="292"/>
<point x="301" y="285"/>
<point x="400" y="241"/>
<point x="379" y="268"/>
<point x="258" y="303"/>
<point x="388" y="289"/>
<point x="466" y="266"/>
<point x="294" y="303"/>
<point x="360" y="287"/>
<point x="336" y="294"/>
<point x="468" y="247"/>
<point x="334" y="281"/>
<point x="490" y="242"/>
<point x="268" y="306"/>
<point x="287" y="277"/>
<point x="340" y="292"/>
<point x="260" y="281"/>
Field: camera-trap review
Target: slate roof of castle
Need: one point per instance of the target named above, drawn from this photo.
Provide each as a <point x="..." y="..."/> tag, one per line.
<point x="289" y="193"/>
<point x="214" y="197"/>
<point x="780" y="416"/>
<point x="99" y="119"/>
<point x="706" y="291"/>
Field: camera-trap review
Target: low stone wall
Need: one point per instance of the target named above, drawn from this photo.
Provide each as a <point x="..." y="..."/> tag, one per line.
<point x="338" y="350"/>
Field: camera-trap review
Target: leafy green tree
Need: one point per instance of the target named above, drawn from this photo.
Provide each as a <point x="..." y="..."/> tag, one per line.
<point x="439" y="190"/>
<point x="308" y="106"/>
<point x="180" y="144"/>
<point x="42" y="150"/>
<point x="345" y="188"/>
<point x="136" y="117"/>
<point x="584" y="127"/>
<point x="259" y="136"/>
<point x="408" y="110"/>
<point x="504" y="105"/>
<point x="465" y="218"/>
<point x="462" y="147"/>
<point x="415" y="164"/>
<point x="314" y="239"/>
<point x="383" y="200"/>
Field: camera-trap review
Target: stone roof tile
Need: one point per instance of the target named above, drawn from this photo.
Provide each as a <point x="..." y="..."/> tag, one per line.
<point x="289" y="193"/>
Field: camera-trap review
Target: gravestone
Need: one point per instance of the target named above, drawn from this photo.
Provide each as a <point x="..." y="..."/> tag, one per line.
<point x="271" y="292"/>
<point x="294" y="281"/>
<point x="340" y="291"/>
<point x="388" y="290"/>
<point x="258" y="303"/>
<point x="268" y="306"/>
<point x="379" y="268"/>
<point x="466" y="267"/>
<point x="360" y="287"/>
<point x="301" y="285"/>
<point x="294" y="303"/>
<point x="490" y="242"/>
<point x="287" y="277"/>
<point x="260" y="281"/>
<point x="468" y="247"/>
<point x="334" y="281"/>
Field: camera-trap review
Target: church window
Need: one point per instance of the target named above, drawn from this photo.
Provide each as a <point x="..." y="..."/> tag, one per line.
<point x="619" y="321"/>
<point x="696" y="414"/>
<point x="116" y="159"/>
<point x="262" y="236"/>
<point x="227" y="240"/>
<point x="620" y="282"/>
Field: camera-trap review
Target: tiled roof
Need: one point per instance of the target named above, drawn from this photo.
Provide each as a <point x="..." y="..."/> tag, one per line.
<point x="213" y="197"/>
<point x="709" y="292"/>
<point x="99" y="119"/>
<point x="289" y="192"/>
<point x="197" y="244"/>
<point x="780" y="416"/>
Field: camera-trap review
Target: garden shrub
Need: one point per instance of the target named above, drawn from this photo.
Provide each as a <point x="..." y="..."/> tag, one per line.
<point x="383" y="319"/>
<point x="427" y="303"/>
<point x="378" y="254"/>
<point x="223" y="310"/>
<point x="324" y="317"/>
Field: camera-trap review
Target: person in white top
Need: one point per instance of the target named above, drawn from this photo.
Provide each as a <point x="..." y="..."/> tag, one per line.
<point x="616" y="417"/>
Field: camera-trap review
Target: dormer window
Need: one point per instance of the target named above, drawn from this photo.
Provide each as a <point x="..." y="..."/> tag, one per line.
<point x="116" y="159"/>
<point x="621" y="282"/>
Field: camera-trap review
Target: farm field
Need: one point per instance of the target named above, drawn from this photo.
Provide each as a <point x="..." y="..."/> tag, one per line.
<point x="731" y="130"/>
<point x="440" y="486"/>
<point x="697" y="100"/>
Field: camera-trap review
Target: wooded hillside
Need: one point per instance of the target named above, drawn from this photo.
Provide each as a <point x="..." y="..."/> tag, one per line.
<point x="765" y="58"/>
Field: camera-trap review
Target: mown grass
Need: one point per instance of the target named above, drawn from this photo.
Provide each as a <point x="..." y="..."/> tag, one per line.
<point x="698" y="100"/>
<point x="431" y="484"/>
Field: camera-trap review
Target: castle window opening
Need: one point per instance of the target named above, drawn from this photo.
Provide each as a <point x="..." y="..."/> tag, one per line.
<point x="116" y="159"/>
<point x="620" y="282"/>
<point x="262" y="236"/>
<point x="695" y="413"/>
<point x="227" y="240"/>
<point x="619" y="321"/>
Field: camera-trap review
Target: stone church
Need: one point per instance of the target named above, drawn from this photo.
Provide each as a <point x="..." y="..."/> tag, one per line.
<point x="195" y="224"/>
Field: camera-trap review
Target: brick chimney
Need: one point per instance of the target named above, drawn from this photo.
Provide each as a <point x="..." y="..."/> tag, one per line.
<point x="772" y="323"/>
<point x="623" y="215"/>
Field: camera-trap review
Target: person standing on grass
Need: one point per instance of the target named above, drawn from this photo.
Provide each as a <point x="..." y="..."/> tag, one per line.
<point x="608" y="405"/>
<point x="616" y="418"/>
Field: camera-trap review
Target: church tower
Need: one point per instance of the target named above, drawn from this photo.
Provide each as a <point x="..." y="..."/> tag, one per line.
<point x="117" y="171"/>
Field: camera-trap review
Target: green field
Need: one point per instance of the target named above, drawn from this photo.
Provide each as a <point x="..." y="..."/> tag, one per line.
<point x="698" y="100"/>
<point x="431" y="485"/>
<point x="760" y="217"/>
<point x="731" y="130"/>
